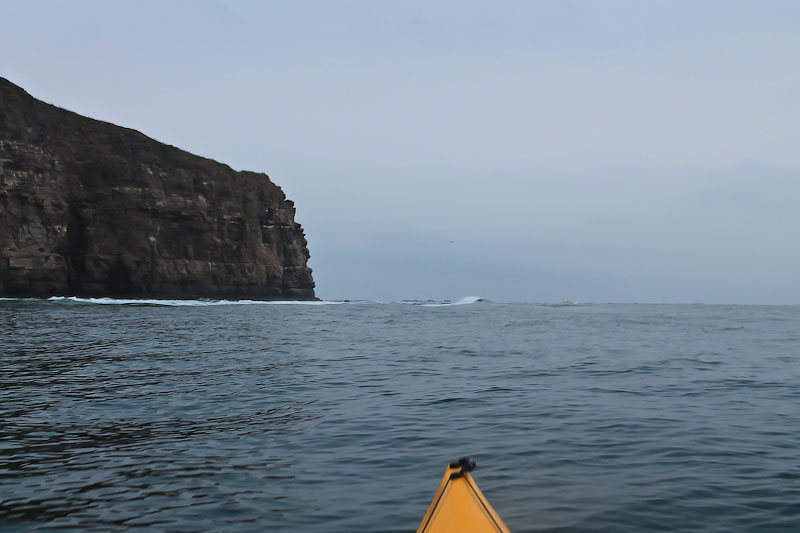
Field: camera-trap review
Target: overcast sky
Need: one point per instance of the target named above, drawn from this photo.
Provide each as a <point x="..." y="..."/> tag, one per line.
<point x="615" y="151"/>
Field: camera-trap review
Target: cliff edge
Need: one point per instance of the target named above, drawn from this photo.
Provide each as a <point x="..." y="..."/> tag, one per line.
<point x="88" y="208"/>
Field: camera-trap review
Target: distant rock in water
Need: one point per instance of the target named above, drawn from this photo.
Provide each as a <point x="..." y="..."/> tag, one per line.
<point x="88" y="208"/>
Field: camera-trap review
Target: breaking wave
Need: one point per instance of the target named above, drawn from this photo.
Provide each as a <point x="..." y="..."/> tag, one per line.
<point x="466" y="300"/>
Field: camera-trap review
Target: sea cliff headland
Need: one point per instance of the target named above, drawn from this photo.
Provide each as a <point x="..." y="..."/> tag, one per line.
<point x="88" y="208"/>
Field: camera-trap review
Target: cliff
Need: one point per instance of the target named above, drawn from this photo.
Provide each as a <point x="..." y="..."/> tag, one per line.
<point x="88" y="208"/>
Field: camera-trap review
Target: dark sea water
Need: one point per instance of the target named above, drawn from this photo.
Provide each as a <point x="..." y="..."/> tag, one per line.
<point x="341" y="418"/>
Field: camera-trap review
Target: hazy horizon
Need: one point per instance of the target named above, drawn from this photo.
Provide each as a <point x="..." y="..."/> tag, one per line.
<point x="548" y="151"/>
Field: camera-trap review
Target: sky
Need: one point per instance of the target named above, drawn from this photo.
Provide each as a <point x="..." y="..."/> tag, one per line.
<point x="615" y="151"/>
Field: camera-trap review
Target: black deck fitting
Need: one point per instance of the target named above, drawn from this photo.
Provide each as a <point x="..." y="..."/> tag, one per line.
<point x="464" y="465"/>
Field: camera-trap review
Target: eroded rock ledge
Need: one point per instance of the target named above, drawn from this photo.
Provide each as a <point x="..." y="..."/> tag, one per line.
<point x="88" y="208"/>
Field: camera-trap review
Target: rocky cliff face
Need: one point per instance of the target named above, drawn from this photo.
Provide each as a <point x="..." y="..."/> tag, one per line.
<point x="88" y="208"/>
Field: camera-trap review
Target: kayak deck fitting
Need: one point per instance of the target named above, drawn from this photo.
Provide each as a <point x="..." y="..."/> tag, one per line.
<point x="459" y="505"/>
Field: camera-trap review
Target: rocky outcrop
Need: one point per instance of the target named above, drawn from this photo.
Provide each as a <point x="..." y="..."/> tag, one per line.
<point x="88" y="208"/>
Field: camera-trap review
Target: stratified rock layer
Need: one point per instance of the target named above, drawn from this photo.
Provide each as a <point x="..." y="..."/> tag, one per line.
<point x="88" y="208"/>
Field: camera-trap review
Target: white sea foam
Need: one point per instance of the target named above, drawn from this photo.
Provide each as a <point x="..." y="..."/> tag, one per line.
<point x="186" y="303"/>
<point x="206" y="303"/>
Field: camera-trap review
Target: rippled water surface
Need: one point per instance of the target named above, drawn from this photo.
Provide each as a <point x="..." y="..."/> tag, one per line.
<point x="342" y="417"/>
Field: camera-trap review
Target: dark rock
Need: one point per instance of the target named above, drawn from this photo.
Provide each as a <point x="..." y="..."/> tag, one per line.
<point x="88" y="208"/>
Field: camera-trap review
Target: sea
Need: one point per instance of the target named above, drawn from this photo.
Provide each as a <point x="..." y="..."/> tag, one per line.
<point x="159" y="415"/>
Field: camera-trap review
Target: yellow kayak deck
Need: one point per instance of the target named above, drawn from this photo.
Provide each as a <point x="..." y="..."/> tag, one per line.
<point x="460" y="506"/>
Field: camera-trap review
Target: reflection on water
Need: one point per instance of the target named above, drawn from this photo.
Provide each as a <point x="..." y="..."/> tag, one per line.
<point x="341" y="418"/>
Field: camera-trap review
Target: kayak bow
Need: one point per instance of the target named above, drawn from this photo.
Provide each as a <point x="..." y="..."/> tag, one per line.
<point x="460" y="506"/>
